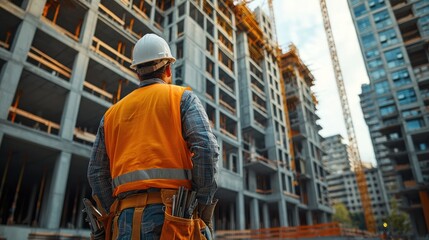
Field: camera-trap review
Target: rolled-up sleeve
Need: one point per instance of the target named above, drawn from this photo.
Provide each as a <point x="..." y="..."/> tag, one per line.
<point x="203" y="144"/>
<point x="99" y="170"/>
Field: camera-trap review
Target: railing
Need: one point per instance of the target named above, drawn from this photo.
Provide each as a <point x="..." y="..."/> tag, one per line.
<point x="227" y="106"/>
<point x="98" y="90"/>
<point x="99" y="45"/>
<point x="60" y="29"/>
<point x="111" y="14"/>
<point x="140" y="12"/>
<point x="292" y="195"/>
<point x="80" y="134"/>
<point x="256" y="88"/>
<point x="402" y="167"/>
<point x="254" y="157"/>
<point x="224" y="131"/>
<point x="264" y="191"/>
<point x="5" y="44"/>
<point x="421" y="72"/>
<point x="310" y="231"/>
<point x="261" y="108"/>
<point x="410" y="183"/>
<point x="49" y="124"/>
<point x="49" y="62"/>
<point x="226" y="86"/>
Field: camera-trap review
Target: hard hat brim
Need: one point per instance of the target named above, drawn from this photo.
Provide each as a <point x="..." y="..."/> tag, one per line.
<point x="134" y="65"/>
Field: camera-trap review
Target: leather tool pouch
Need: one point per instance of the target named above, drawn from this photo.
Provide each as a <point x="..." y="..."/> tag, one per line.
<point x="180" y="228"/>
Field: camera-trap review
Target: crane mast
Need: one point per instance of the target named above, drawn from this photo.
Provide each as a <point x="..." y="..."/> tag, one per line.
<point x="353" y="147"/>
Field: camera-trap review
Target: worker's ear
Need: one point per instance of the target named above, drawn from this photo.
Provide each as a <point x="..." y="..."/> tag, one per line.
<point x="168" y="70"/>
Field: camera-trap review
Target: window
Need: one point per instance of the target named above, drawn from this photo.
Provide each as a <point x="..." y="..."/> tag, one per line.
<point x="376" y="4"/>
<point x="414" y="124"/>
<point x="383" y="101"/>
<point x="382" y="19"/>
<point x="359" y="10"/>
<point x="179" y="50"/>
<point x="180" y="29"/>
<point x="197" y="15"/>
<point x="209" y="46"/>
<point x="209" y="27"/>
<point x="182" y="9"/>
<point x="394" y="58"/>
<point x="388" y="37"/>
<point x="377" y="74"/>
<point x="382" y="87"/>
<point x="401" y="77"/>
<point x="376" y="63"/>
<point x="385" y="111"/>
<point x="178" y="75"/>
<point x="368" y="41"/>
<point x="410" y="113"/>
<point x="223" y="58"/>
<point x="209" y="67"/>
<point x="363" y="24"/>
<point x="406" y="96"/>
<point x="372" y="53"/>
<point x="354" y="2"/>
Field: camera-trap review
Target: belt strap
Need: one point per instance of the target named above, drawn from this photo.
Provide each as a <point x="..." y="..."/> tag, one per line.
<point x="137" y="201"/>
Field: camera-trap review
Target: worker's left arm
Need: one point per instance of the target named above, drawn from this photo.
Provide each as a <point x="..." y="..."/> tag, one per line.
<point x="99" y="177"/>
<point x="203" y="144"/>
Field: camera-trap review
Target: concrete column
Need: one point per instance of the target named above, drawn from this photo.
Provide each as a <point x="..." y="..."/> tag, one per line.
<point x="413" y="160"/>
<point x="52" y="216"/>
<point x="80" y="67"/>
<point x="240" y="211"/>
<point x="295" y="215"/>
<point x="252" y="181"/>
<point x="309" y="217"/>
<point x="283" y="214"/>
<point x="72" y="103"/>
<point x="11" y="71"/>
<point x="323" y="217"/>
<point x="232" y="221"/>
<point x="266" y="215"/>
<point x="1" y="138"/>
<point x="254" y="214"/>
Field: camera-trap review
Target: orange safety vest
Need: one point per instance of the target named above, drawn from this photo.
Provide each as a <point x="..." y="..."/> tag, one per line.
<point x="144" y="142"/>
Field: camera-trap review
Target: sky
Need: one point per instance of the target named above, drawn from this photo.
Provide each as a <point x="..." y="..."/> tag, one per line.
<point x="300" y="22"/>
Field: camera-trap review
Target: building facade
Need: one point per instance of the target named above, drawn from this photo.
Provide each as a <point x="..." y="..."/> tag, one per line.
<point x="394" y="41"/>
<point x="64" y="63"/>
<point x="336" y="158"/>
<point x="310" y="178"/>
<point x="342" y="187"/>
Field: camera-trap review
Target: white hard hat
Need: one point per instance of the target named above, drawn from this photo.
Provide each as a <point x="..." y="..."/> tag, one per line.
<point x="151" y="48"/>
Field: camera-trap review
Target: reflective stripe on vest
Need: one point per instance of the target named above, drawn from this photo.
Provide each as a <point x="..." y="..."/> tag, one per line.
<point x="155" y="173"/>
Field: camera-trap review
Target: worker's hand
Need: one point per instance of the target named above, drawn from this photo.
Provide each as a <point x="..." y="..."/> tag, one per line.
<point x="206" y="213"/>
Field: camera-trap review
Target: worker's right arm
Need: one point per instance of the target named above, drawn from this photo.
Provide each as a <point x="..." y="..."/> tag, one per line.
<point x="99" y="177"/>
<point x="202" y="143"/>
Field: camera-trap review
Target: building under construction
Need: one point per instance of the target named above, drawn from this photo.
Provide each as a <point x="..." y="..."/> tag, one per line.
<point x="64" y="63"/>
<point x="394" y="40"/>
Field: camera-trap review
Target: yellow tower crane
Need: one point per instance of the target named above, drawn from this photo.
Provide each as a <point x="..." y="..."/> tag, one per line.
<point x="353" y="147"/>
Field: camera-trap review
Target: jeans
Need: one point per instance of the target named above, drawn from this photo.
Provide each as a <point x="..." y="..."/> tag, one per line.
<point x="151" y="224"/>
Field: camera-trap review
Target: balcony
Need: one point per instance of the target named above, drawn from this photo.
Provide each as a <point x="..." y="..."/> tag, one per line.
<point x="410" y="184"/>
<point x="259" y="163"/>
<point x="422" y="73"/>
<point x="402" y="167"/>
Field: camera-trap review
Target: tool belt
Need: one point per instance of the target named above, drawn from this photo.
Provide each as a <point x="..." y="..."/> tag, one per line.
<point x="173" y="228"/>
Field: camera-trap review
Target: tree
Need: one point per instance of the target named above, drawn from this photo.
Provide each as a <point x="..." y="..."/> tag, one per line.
<point x="342" y="215"/>
<point x="398" y="222"/>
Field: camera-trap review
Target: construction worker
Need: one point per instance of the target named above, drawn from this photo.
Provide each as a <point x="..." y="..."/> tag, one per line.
<point x="156" y="138"/>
